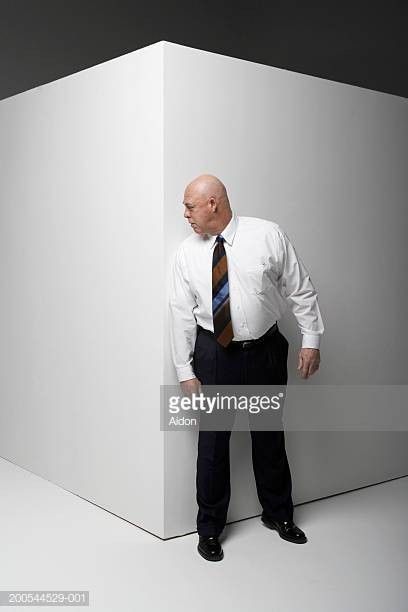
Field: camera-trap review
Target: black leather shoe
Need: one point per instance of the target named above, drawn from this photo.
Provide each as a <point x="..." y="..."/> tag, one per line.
<point x="210" y="548"/>
<point x="286" y="529"/>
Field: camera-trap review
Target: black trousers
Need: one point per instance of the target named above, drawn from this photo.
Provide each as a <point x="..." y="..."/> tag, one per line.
<point x="264" y="363"/>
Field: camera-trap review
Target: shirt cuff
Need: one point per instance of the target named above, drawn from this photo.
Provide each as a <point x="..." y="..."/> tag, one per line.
<point x="311" y="341"/>
<point x="185" y="373"/>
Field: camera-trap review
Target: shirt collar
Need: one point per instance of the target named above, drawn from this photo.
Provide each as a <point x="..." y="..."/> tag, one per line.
<point x="228" y="233"/>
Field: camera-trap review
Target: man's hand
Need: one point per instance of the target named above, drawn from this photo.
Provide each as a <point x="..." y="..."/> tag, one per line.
<point x="309" y="360"/>
<point x="190" y="386"/>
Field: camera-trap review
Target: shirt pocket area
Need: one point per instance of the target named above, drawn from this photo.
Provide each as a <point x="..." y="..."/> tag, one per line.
<point x="258" y="279"/>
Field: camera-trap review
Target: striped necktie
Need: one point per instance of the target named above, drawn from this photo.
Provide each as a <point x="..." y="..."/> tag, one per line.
<point x="220" y="295"/>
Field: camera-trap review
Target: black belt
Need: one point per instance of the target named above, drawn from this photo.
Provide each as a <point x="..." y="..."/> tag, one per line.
<point x="243" y="344"/>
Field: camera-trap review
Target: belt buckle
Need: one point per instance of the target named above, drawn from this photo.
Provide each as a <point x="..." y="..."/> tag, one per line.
<point x="246" y="344"/>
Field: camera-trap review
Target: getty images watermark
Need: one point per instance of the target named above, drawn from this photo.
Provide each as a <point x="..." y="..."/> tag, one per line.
<point x="300" y="407"/>
<point x="216" y="407"/>
<point x="207" y="404"/>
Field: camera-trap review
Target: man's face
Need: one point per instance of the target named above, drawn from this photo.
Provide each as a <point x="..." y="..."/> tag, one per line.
<point x="198" y="213"/>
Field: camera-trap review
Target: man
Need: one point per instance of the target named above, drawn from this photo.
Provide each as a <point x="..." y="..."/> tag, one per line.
<point x="231" y="280"/>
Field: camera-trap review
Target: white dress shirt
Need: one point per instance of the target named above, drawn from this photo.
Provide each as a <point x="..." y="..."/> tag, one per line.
<point x="265" y="274"/>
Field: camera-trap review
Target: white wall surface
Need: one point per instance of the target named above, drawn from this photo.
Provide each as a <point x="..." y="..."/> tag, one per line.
<point x="326" y="161"/>
<point x="93" y="168"/>
<point x="81" y="254"/>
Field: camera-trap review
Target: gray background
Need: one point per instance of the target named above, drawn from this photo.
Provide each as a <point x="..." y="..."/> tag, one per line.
<point x="361" y="42"/>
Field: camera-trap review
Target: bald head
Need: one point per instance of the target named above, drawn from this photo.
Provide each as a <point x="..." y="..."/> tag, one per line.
<point x="206" y="203"/>
<point x="207" y="185"/>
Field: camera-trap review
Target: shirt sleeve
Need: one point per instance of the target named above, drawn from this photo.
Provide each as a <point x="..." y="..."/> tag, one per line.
<point x="297" y="288"/>
<point x="183" y="325"/>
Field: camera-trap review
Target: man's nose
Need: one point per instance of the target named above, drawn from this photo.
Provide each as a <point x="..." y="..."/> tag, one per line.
<point x="186" y="213"/>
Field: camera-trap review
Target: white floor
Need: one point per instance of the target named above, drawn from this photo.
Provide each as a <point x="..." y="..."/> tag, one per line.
<point x="356" y="558"/>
